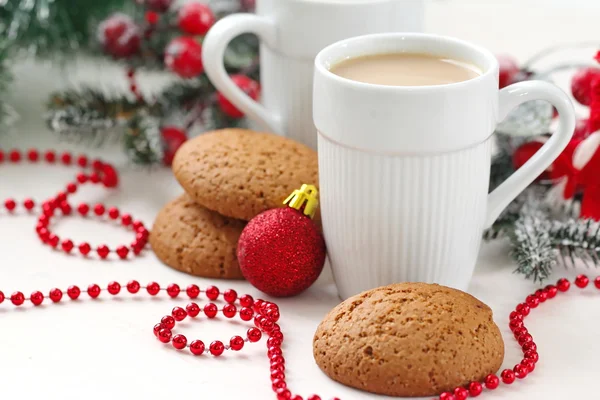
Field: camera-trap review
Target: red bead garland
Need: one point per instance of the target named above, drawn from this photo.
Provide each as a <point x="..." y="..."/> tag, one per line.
<point x="102" y="173"/>
<point x="266" y="314"/>
<point x="262" y="314"/>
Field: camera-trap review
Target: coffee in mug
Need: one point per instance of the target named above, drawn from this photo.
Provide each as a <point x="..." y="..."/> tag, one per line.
<point x="405" y="69"/>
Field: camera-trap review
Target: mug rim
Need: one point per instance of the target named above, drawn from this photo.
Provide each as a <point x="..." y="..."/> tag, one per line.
<point x="323" y="62"/>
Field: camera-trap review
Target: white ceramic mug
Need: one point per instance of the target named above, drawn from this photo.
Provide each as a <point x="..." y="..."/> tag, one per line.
<point x="404" y="171"/>
<point x="292" y="32"/>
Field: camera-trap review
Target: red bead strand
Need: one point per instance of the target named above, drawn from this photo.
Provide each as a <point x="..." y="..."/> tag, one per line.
<point x="264" y="316"/>
<point x="99" y="172"/>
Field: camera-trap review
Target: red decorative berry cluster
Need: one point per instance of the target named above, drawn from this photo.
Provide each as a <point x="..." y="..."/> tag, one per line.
<point x="95" y="172"/>
<point x="265" y="316"/>
<point x="124" y="38"/>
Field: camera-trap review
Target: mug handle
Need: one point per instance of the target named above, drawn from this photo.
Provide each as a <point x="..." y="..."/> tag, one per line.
<point x="510" y="97"/>
<point x="213" y="52"/>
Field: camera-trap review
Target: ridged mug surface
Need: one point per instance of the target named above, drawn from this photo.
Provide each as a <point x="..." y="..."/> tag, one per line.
<point x="392" y="218"/>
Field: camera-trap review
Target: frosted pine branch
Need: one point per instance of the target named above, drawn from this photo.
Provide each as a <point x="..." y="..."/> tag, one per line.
<point x="577" y="240"/>
<point x="533" y="247"/>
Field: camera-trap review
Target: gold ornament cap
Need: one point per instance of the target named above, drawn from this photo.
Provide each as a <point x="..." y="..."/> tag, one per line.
<point x="304" y="199"/>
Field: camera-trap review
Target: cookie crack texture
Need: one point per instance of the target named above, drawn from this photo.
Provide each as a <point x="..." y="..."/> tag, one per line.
<point x="240" y="173"/>
<point x="409" y="339"/>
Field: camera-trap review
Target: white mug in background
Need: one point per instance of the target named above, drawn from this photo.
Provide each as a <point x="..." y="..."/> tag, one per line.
<point x="404" y="171"/>
<point x="291" y="33"/>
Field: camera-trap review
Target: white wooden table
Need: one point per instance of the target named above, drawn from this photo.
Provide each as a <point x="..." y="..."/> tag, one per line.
<point x="105" y="349"/>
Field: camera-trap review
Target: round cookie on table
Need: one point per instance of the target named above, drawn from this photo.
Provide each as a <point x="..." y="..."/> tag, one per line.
<point x="240" y="173"/>
<point x="195" y="240"/>
<point x="409" y="339"/>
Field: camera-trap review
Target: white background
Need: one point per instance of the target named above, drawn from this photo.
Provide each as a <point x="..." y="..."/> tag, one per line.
<point x="105" y="349"/>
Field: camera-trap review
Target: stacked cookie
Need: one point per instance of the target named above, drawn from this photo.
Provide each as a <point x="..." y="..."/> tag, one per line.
<point x="229" y="177"/>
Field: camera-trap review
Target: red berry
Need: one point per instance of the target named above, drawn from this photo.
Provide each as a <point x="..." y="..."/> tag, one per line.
<point x="172" y="138"/>
<point x="119" y="36"/>
<point x="195" y="18"/>
<point x="152" y="17"/>
<point x="509" y="68"/>
<point x="183" y="55"/>
<point x="581" y="84"/>
<point x="158" y="5"/>
<point x="248" y="86"/>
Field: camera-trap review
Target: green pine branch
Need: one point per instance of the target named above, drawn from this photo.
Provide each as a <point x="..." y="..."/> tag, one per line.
<point x="5" y="78"/>
<point x="88" y="114"/>
<point x="577" y="240"/>
<point x="141" y="139"/>
<point x="533" y="248"/>
<point x="49" y="28"/>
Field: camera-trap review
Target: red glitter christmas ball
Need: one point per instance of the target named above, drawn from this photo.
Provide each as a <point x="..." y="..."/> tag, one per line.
<point x="281" y="252"/>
